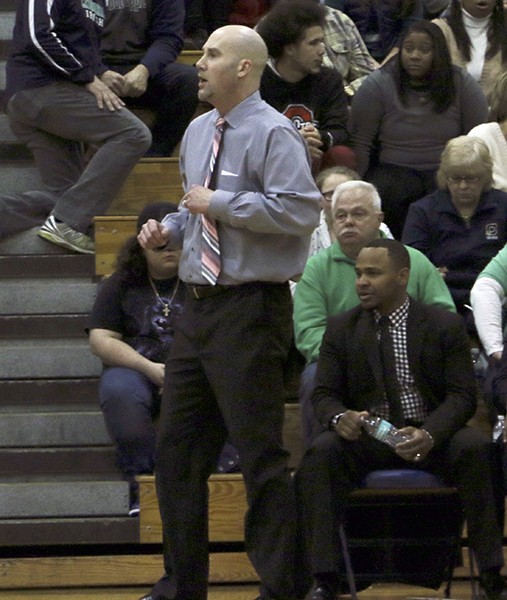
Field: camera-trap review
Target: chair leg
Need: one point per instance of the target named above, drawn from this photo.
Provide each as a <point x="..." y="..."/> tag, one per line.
<point x="348" y="564"/>
<point x="453" y="559"/>
<point x="473" y="571"/>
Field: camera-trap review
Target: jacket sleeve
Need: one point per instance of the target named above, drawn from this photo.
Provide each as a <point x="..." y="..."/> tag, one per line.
<point x="487" y="297"/>
<point x="417" y="229"/>
<point x="426" y="284"/>
<point x="310" y="313"/>
<point x="366" y="114"/>
<point x="331" y="381"/>
<point x="334" y="117"/>
<point x="44" y="24"/>
<point x="472" y="101"/>
<point x="459" y="402"/>
<point x="165" y="35"/>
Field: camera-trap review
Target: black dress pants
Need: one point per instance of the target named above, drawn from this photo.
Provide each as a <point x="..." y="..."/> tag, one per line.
<point x="333" y="467"/>
<point x="226" y="379"/>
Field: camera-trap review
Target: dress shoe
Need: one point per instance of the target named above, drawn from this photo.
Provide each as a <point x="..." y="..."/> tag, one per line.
<point x="493" y="586"/>
<point x="150" y="597"/>
<point x="264" y="597"/>
<point x="321" y="591"/>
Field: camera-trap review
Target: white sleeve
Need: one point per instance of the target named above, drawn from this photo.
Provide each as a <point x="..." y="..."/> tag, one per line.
<point x="487" y="297"/>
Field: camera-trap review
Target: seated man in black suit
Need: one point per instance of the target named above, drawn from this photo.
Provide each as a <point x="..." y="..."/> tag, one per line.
<point x="434" y="396"/>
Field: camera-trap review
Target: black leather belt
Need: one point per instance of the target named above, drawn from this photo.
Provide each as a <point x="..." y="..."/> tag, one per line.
<point x="198" y="292"/>
<point x="205" y="291"/>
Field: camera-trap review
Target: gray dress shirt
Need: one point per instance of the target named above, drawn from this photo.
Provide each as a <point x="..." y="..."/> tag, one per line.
<point x="265" y="202"/>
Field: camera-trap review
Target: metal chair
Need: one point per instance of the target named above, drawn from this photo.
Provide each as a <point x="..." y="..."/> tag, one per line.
<point x="402" y="526"/>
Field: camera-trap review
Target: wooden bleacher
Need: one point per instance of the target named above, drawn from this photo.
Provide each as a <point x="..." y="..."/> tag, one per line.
<point x="151" y="180"/>
<point x="227" y="505"/>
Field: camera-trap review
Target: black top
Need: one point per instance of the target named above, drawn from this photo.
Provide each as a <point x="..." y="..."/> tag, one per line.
<point x="134" y="311"/>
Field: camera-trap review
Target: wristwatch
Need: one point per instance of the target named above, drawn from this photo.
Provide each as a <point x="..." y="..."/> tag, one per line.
<point x="333" y="421"/>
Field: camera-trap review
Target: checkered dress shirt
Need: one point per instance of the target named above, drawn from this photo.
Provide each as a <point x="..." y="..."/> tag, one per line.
<point x="414" y="407"/>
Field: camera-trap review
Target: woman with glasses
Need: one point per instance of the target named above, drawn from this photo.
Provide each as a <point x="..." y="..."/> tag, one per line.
<point x="403" y="115"/>
<point x="462" y="225"/>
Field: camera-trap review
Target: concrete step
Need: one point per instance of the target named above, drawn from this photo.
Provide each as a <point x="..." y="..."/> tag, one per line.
<point x="6" y="26"/>
<point x="50" y="265"/>
<point x="41" y="359"/>
<point x="69" y="531"/>
<point x="2" y="74"/>
<point x="15" y="155"/>
<point x="6" y="23"/>
<point x="17" y="175"/>
<point x="29" y="243"/>
<point x="48" y="395"/>
<point x="53" y="430"/>
<point x="46" y="296"/>
<point x="19" y="464"/>
<point x="6" y="135"/>
<point x="43" y="326"/>
<point x="8" y="5"/>
<point x="63" y="499"/>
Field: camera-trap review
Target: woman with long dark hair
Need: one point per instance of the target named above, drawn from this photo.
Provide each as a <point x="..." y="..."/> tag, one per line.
<point x="131" y="331"/>
<point x="404" y="114"/>
<point x="476" y="35"/>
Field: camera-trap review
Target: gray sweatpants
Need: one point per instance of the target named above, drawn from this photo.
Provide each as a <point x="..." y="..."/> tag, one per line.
<point x="54" y="121"/>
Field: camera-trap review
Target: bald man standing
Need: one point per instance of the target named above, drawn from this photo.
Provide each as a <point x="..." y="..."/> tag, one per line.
<point x="225" y="373"/>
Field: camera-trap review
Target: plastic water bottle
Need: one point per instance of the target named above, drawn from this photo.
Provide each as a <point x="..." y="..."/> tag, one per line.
<point x="499" y="430"/>
<point x="383" y="431"/>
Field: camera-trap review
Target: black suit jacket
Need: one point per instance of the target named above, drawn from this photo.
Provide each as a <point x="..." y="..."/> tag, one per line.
<point x="349" y="374"/>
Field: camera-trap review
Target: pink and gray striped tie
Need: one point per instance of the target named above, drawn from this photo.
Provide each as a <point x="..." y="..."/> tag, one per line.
<point x="210" y="258"/>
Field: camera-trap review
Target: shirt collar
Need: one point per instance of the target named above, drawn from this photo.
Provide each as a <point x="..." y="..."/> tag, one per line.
<point x="397" y="317"/>
<point x="238" y="113"/>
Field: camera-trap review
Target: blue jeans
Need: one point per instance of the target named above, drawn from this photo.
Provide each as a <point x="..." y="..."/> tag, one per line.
<point x="54" y="121"/>
<point x="130" y="403"/>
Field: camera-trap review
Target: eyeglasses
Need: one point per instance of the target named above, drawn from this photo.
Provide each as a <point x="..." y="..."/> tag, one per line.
<point x="328" y="196"/>
<point x="468" y="179"/>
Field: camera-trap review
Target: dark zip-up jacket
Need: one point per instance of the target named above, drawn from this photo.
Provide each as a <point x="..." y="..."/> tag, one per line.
<point x="147" y="32"/>
<point x="54" y="40"/>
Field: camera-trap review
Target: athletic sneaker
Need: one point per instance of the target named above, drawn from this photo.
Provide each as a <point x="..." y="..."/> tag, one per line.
<point x="63" y="235"/>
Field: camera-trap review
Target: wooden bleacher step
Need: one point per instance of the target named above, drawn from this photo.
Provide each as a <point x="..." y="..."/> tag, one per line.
<point x="227" y="505"/>
<point x="151" y="180"/>
<point x="111" y="570"/>
<point x="111" y="232"/>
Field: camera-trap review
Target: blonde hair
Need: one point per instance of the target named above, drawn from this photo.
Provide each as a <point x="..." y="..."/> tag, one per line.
<point x="464" y="152"/>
